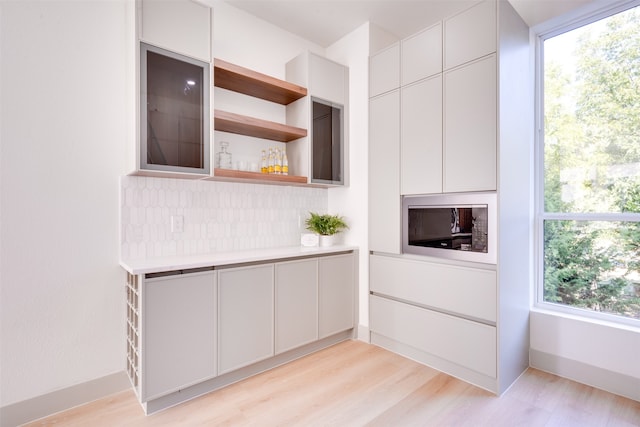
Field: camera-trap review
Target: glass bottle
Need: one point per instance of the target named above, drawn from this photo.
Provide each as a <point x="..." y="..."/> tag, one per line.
<point x="224" y="157"/>
<point x="285" y="163"/>
<point x="278" y="163"/>
<point x="272" y="159"/>
<point x="264" y="165"/>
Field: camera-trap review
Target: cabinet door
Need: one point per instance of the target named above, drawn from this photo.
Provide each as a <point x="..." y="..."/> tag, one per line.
<point x="336" y="280"/>
<point x="470" y="127"/>
<point x="421" y="146"/>
<point x="422" y="55"/>
<point x="328" y="79"/>
<point x="470" y="34"/>
<point x="384" y="173"/>
<point x="296" y="304"/>
<point x="245" y="322"/>
<point x="384" y="71"/>
<point x="182" y="26"/>
<point x="178" y="332"/>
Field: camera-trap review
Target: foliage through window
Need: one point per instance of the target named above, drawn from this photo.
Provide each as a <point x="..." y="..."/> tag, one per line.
<point x="590" y="213"/>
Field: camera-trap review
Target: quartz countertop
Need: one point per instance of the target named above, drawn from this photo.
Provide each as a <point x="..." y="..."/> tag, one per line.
<point x="161" y="264"/>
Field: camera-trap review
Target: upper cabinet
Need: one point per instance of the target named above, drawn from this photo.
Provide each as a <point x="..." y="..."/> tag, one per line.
<point x="181" y="26"/>
<point x="323" y="155"/>
<point x="470" y="34"/>
<point x="448" y="114"/>
<point x="470" y="127"/>
<point x="173" y="51"/>
<point x="384" y="70"/>
<point x="422" y="54"/>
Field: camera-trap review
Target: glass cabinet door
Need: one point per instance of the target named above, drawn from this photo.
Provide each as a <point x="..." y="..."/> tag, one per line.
<point x="174" y="112"/>
<point x="327" y="149"/>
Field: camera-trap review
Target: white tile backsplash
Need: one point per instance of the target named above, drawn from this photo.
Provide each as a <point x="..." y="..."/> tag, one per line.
<point x="218" y="216"/>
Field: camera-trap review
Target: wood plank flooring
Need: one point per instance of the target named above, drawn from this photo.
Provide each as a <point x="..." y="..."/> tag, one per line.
<point x="356" y="384"/>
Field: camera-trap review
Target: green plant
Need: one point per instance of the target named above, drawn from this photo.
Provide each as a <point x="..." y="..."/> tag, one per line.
<point x="325" y="224"/>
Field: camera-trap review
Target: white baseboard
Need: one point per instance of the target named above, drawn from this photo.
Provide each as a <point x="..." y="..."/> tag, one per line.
<point x="60" y="400"/>
<point x="604" y="379"/>
<point x="363" y="334"/>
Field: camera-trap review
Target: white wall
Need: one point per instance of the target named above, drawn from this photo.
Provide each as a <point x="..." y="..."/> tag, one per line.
<point x="66" y="114"/>
<point x="353" y="51"/>
<point x="63" y="138"/>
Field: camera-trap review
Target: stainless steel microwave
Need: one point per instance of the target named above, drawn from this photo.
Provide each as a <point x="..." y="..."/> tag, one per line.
<point x="460" y="226"/>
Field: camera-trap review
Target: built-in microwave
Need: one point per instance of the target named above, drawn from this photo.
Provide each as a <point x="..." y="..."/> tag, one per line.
<point x="460" y="226"/>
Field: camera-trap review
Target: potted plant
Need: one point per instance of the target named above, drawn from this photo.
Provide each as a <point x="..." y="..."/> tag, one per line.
<point x="326" y="226"/>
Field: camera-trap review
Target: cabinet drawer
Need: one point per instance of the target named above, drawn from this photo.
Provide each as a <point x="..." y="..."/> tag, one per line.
<point x="465" y="291"/>
<point x="467" y="343"/>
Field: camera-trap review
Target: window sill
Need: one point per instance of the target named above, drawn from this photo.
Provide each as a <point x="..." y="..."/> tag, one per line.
<point x="624" y="324"/>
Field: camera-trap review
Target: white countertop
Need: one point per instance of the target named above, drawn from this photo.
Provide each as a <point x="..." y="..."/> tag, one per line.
<point x="157" y="265"/>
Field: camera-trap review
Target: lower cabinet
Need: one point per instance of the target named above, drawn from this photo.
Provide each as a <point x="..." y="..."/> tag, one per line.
<point x="296" y="304"/>
<point x="459" y="341"/>
<point x="440" y="314"/>
<point x="190" y="332"/>
<point x="178" y="329"/>
<point x="245" y="316"/>
<point x="336" y="276"/>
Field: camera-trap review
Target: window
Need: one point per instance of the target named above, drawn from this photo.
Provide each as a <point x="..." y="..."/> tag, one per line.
<point x="589" y="167"/>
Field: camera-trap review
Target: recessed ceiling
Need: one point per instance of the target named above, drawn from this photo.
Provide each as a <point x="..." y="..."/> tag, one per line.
<point x="326" y="21"/>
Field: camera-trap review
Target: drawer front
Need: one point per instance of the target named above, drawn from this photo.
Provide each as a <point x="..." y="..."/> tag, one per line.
<point x="468" y="292"/>
<point x="466" y="343"/>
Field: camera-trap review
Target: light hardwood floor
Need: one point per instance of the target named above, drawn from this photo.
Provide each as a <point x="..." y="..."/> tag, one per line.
<point x="356" y="384"/>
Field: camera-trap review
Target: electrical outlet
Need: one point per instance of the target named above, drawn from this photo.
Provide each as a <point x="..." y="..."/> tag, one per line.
<point x="177" y="223"/>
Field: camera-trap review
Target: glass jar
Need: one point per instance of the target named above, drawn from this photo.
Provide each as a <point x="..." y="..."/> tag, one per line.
<point x="223" y="158"/>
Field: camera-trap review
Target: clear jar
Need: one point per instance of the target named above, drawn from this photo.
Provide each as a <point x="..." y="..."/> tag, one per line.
<point x="223" y="159"/>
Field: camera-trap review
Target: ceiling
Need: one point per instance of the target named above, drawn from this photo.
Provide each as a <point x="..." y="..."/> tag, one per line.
<point x="326" y="21"/>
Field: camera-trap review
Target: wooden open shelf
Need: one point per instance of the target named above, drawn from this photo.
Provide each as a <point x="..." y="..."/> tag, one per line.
<point x="249" y="82"/>
<point x="257" y="176"/>
<point x="251" y="126"/>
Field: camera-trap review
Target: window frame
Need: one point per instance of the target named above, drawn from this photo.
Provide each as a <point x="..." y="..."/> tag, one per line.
<point x="539" y="34"/>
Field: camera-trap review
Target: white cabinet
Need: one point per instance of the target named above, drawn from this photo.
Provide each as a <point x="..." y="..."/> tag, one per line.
<point x="466" y="292"/>
<point x="296" y="304"/>
<point x="421" y="142"/>
<point x="328" y="79"/>
<point x="178" y="332"/>
<point x="172" y="41"/>
<point x="245" y="316"/>
<point x="336" y="294"/>
<point x="470" y="34"/>
<point x="384" y="70"/>
<point x="182" y="26"/>
<point x="421" y="54"/>
<point x="322" y="155"/>
<point x="384" y="173"/>
<point x="459" y="341"/>
<point x="470" y="127"/>
<point x="194" y="331"/>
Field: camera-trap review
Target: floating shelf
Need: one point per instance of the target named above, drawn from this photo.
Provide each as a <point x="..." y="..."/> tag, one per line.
<point x="249" y="82"/>
<point x="257" y="176"/>
<point x="251" y="126"/>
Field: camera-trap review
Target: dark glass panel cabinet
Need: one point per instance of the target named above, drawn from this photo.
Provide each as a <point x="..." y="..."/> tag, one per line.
<point x="174" y="112"/>
<point x="327" y="156"/>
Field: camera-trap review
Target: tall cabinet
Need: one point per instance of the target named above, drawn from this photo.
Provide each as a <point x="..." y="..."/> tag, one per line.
<point x="449" y="113"/>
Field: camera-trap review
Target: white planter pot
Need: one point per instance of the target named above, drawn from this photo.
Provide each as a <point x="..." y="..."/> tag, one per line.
<point x="327" y="240"/>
